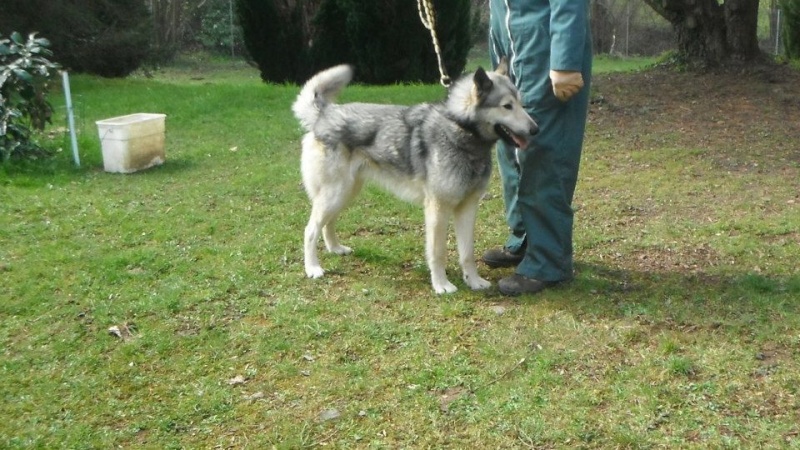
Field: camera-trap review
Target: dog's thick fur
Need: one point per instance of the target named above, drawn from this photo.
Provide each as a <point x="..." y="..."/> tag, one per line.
<point x="439" y="155"/>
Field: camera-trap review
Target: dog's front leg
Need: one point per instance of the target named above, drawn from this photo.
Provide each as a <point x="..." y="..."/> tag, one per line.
<point x="464" y="224"/>
<point x="437" y="217"/>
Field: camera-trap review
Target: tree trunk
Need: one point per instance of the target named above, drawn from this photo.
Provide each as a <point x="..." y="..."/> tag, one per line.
<point x="602" y="28"/>
<point x="741" y="17"/>
<point x="711" y="34"/>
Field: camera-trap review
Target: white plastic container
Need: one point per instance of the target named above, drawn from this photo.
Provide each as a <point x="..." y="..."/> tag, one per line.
<point x="133" y="142"/>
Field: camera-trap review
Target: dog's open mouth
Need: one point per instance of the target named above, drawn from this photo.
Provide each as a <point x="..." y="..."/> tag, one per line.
<point x="510" y="138"/>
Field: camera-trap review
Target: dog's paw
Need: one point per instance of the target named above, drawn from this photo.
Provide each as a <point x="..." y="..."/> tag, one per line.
<point x="314" y="272"/>
<point x="477" y="283"/>
<point x="341" y="250"/>
<point x="444" y="288"/>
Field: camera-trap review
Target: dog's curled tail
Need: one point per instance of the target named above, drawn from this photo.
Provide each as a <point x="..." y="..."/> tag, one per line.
<point x="320" y="91"/>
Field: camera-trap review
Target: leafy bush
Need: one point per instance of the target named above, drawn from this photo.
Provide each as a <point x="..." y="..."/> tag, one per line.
<point x="24" y="75"/>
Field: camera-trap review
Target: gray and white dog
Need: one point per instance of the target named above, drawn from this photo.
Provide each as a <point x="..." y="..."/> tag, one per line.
<point x="438" y="155"/>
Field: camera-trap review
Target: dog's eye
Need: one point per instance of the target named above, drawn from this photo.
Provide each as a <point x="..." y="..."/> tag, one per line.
<point x="508" y="106"/>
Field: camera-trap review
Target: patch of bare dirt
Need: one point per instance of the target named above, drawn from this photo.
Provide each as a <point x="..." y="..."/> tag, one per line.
<point x="750" y="119"/>
<point x="689" y="261"/>
<point x="736" y="142"/>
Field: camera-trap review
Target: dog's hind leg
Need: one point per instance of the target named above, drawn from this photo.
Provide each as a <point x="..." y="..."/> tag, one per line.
<point x="464" y="224"/>
<point x="332" y="241"/>
<point x="329" y="191"/>
<point x="325" y="208"/>
<point x="437" y="217"/>
<point x="347" y="193"/>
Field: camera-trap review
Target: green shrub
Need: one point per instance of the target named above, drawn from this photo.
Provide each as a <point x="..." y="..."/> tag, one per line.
<point x="24" y="75"/>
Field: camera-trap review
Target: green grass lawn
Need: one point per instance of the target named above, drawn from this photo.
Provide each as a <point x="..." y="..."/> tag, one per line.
<point x="231" y="346"/>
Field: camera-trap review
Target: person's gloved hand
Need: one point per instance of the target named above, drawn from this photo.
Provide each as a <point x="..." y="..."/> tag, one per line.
<point x="566" y="84"/>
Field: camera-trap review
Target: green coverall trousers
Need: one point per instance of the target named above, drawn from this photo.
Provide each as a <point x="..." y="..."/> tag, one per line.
<point x="536" y="36"/>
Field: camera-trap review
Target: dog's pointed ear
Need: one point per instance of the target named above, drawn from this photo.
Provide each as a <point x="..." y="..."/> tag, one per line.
<point x="502" y="68"/>
<point x="482" y="82"/>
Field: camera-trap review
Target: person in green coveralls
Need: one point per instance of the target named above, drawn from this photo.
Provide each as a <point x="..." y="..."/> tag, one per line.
<point x="547" y="44"/>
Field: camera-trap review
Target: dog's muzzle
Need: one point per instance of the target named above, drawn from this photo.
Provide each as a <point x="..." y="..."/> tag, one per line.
<point x="513" y="139"/>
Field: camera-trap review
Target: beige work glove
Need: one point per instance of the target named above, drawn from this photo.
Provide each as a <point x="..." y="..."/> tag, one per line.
<point x="566" y="84"/>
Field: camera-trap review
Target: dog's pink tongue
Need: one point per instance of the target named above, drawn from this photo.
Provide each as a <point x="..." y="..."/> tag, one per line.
<point x="521" y="142"/>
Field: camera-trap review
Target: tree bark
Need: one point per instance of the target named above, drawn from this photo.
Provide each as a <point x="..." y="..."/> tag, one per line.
<point x="741" y="17"/>
<point x="711" y="34"/>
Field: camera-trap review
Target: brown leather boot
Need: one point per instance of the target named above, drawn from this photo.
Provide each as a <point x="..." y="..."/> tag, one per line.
<point x="503" y="257"/>
<point x="517" y="285"/>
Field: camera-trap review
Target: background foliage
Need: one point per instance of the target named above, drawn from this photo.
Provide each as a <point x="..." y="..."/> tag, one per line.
<point x="219" y="30"/>
<point x="276" y="48"/>
<point x="188" y="25"/>
<point x="104" y="37"/>
<point x="791" y="28"/>
<point x="383" y="39"/>
<point x="113" y="37"/>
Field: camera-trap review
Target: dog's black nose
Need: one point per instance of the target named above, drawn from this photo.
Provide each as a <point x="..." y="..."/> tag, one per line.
<point x="534" y="129"/>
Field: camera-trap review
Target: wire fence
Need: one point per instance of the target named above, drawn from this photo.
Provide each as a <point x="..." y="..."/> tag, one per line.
<point x="770" y="28"/>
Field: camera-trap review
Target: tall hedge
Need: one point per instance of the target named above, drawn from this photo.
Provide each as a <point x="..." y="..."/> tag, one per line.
<point x="274" y="38"/>
<point x="104" y="37"/>
<point x="384" y="39"/>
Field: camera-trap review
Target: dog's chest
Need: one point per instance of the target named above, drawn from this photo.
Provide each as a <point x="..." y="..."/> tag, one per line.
<point x="459" y="177"/>
<point x="474" y="166"/>
<point x="481" y="168"/>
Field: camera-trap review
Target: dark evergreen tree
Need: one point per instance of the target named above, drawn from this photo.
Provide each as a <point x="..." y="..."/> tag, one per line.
<point x="384" y="39"/>
<point x="274" y="38"/>
<point x="104" y="37"/>
<point x="330" y="44"/>
<point x="388" y="43"/>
